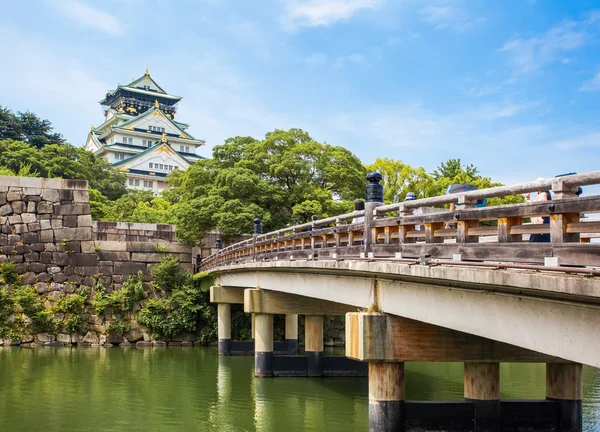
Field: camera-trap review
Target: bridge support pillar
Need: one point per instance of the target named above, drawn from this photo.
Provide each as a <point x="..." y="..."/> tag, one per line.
<point x="386" y="397"/>
<point x="313" y="325"/>
<point x="482" y="387"/>
<point x="224" y="328"/>
<point x="563" y="386"/>
<point x="263" y="345"/>
<point x="291" y="333"/>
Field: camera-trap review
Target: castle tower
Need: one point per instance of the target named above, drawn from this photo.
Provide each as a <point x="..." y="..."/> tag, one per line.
<point x="140" y="135"/>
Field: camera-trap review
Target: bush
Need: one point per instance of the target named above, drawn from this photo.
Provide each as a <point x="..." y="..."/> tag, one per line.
<point x="8" y="273"/>
<point x="74" y="323"/>
<point x="119" y="301"/>
<point x="119" y="327"/>
<point x="167" y="275"/>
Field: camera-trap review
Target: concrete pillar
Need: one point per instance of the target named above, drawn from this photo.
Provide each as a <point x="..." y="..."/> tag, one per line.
<point x="291" y="333"/>
<point x="313" y="326"/>
<point x="263" y="345"/>
<point x="563" y="385"/>
<point x="482" y="387"/>
<point x="224" y="328"/>
<point x="386" y="397"/>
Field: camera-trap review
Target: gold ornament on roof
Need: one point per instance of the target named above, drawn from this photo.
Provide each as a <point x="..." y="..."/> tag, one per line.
<point x="163" y="139"/>
<point x="156" y="103"/>
<point x="91" y="127"/>
<point x="147" y="73"/>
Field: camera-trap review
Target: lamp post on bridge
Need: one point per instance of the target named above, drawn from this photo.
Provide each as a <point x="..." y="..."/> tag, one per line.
<point x="374" y="195"/>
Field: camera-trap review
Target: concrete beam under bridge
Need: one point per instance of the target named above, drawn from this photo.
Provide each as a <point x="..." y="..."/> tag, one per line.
<point x="556" y="315"/>
<point x="226" y="294"/>
<point x="374" y="336"/>
<point x="273" y="302"/>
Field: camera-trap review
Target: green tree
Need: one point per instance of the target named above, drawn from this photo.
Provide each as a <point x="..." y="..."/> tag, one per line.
<point x="283" y="179"/>
<point x="453" y="168"/>
<point x="399" y="178"/>
<point x="27" y="127"/>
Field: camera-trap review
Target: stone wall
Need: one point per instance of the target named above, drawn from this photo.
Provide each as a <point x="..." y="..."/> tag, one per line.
<point x="46" y="230"/>
<point x="134" y="232"/>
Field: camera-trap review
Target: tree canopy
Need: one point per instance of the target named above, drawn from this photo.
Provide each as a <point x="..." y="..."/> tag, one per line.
<point x="27" y="127"/>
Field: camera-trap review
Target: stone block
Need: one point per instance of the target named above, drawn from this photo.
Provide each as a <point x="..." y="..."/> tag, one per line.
<point x="45" y="224"/>
<point x="69" y="288"/>
<point x="91" y="338"/>
<point x="13" y="239"/>
<point x="114" y="256"/>
<point x="59" y="258"/>
<point x="28" y="218"/>
<point x="106" y="270"/>
<point x="147" y="257"/>
<point x="20" y="228"/>
<point x="74" y="279"/>
<point x="72" y="209"/>
<point x="32" y="257"/>
<point x="57" y="289"/>
<point x="92" y="270"/>
<point x="56" y="222"/>
<point x="46" y="257"/>
<point x="30" y="237"/>
<point x="65" y="195"/>
<point x="44" y="337"/>
<point x="47" y="236"/>
<point x="14" y="196"/>
<point x="111" y="246"/>
<point x="45" y="207"/>
<point x="88" y="246"/>
<point x="37" y="267"/>
<point x="89" y="281"/>
<point x="41" y="287"/>
<point x="81" y="259"/>
<point x="15" y="219"/>
<point x="53" y="270"/>
<point x="29" y="278"/>
<point x="2" y="198"/>
<point x="19" y="207"/>
<point x="31" y="206"/>
<point x="33" y="227"/>
<point x="32" y="191"/>
<point x="81" y="196"/>
<point x="44" y="277"/>
<point x="50" y="247"/>
<point x="70" y="221"/>
<point x="63" y="338"/>
<point x="51" y="195"/>
<point x="16" y="258"/>
<point x="128" y="268"/>
<point x="84" y="233"/>
<point x="84" y="220"/>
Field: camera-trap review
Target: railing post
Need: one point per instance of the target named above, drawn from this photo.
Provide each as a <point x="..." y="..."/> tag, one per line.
<point x="462" y="227"/>
<point x="374" y="192"/>
<point x="560" y="222"/>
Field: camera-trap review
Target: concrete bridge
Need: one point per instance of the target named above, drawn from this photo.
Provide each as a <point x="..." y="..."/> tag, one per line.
<point x="438" y="286"/>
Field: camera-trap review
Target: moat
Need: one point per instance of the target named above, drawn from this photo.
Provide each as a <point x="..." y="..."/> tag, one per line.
<point x="192" y="389"/>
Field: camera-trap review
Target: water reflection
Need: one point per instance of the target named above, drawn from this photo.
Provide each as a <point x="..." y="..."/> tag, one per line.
<point x="181" y="389"/>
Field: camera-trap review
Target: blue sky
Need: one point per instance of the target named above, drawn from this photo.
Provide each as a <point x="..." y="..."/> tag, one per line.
<point x="510" y="86"/>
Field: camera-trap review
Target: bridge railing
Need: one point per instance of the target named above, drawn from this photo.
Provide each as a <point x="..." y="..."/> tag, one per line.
<point x="468" y="233"/>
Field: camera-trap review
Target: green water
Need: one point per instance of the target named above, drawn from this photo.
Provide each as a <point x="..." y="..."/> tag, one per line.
<point x="192" y="389"/>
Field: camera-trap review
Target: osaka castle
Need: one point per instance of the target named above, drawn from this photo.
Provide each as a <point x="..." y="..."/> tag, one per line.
<point x="140" y="136"/>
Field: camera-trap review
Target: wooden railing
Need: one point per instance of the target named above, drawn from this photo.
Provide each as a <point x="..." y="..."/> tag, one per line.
<point x="488" y="234"/>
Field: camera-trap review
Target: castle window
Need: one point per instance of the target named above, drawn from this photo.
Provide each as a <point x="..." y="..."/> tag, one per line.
<point x="119" y="156"/>
<point x="130" y="140"/>
<point x="130" y="182"/>
<point x="147" y="183"/>
<point x="151" y="164"/>
<point x="137" y="182"/>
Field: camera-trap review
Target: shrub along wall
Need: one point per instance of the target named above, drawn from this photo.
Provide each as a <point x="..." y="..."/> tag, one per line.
<point x="59" y="284"/>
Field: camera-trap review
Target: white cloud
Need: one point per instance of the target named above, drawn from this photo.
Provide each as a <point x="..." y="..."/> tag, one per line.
<point x="592" y="85"/>
<point x="88" y="16"/>
<point x="354" y="58"/>
<point x="313" y="13"/>
<point x="591" y="139"/>
<point x="444" y="17"/>
<point x="530" y="55"/>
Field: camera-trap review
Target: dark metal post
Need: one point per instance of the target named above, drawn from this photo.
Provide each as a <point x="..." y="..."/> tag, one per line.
<point x="258" y="229"/>
<point x="198" y="263"/>
<point x="374" y="192"/>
